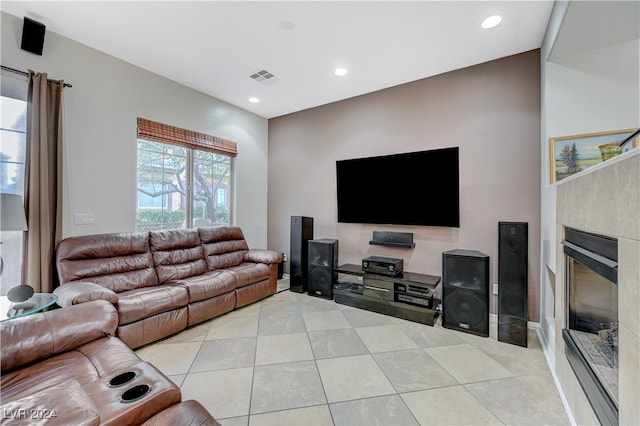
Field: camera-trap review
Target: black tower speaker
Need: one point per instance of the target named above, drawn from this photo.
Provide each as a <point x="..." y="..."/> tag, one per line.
<point x="465" y="291"/>
<point x="301" y="233"/>
<point x="32" y="36"/>
<point x="512" y="279"/>
<point x="323" y="257"/>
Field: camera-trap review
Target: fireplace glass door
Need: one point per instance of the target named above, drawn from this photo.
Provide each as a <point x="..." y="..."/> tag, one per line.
<point x="593" y="322"/>
<point x="591" y="333"/>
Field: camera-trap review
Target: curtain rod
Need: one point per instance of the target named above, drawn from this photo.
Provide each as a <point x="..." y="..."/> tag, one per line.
<point x="26" y="73"/>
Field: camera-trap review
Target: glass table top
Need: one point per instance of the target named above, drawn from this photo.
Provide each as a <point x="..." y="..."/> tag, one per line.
<point x="36" y="303"/>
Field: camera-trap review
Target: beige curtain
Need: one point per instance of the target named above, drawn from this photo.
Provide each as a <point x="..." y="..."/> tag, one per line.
<point x="43" y="177"/>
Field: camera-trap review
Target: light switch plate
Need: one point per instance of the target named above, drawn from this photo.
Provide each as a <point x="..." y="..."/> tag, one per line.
<point x="84" y="218"/>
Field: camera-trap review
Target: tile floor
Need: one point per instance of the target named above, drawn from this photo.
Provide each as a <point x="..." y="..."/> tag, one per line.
<point x="294" y="359"/>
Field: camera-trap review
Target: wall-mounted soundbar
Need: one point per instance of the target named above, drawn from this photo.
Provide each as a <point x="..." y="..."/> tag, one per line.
<point x="393" y="239"/>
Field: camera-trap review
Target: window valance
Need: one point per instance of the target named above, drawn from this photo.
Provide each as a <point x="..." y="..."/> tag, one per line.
<point x="158" y="132"/>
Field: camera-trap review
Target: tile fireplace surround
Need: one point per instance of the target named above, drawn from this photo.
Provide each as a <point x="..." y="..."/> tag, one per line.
<point x="604" y="201"/>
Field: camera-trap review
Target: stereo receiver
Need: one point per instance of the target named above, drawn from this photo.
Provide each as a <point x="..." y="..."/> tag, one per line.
<point x="382" y="265"/>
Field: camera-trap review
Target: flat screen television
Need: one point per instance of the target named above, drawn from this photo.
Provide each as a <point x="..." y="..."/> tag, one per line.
<point x="416" y="188"/>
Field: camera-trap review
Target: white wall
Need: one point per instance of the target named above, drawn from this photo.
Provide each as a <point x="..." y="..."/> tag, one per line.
<point x="589" y="92"/>
<point x="100" y="132"/>
<point x="585" y="92"/>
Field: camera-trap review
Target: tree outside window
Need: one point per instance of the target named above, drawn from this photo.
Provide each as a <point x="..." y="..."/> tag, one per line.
<point x="181" y="187"/>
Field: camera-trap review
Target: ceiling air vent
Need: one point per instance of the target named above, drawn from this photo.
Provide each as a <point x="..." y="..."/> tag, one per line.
<point x="263" y="76"/>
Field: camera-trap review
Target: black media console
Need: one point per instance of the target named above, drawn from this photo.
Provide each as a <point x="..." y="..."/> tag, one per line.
<point x="408" y="296"/>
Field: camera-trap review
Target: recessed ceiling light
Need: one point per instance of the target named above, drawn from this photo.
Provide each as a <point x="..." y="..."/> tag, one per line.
<point x="340" y="72"/>
<point x="254" y="100"/>
<point x="491" y="22"/>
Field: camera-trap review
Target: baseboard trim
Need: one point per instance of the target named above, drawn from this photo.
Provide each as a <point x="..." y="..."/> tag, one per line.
<point x="530" y="324"/>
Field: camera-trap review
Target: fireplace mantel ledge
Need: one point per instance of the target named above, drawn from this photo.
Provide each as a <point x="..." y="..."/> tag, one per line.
<point x="618" y="158"/>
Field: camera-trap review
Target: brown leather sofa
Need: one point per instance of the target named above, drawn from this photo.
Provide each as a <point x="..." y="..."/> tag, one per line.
<point x="64" y="367"/>
<point x="164" y="281"/>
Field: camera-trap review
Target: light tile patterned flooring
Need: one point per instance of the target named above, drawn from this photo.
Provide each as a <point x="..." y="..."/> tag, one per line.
<point x="294" y="359"/>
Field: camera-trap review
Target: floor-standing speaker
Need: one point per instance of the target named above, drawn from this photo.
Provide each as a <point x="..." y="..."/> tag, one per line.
<point x="465" y="291"/>
<point x="323" y="257"/>
<point x="512" y="281"/>
<point x="301" y="234"/>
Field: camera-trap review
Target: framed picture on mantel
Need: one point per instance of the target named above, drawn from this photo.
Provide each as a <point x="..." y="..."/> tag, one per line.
<point x="572" y="154"/>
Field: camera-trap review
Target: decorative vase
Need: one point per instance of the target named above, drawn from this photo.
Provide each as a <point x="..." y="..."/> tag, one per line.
<point x="609" y="150"/>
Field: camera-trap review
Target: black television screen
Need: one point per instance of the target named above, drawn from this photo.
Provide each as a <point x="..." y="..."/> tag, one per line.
<point x="416" y="188"/>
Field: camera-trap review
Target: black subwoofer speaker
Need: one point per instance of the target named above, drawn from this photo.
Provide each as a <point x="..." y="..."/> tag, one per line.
<point x="301" y="234"/>
<point x="32" y="36"/>
<point x="465" y="291"/>
<point x="512" y="281"/>
<point x="323" y="257"/>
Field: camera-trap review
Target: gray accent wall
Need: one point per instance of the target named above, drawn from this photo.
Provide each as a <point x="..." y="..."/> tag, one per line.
<point x="491" y="111"/>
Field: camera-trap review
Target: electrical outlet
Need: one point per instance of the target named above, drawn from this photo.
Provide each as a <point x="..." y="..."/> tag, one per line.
<point x="495" y="288"/>
<point x="84" y="218"/>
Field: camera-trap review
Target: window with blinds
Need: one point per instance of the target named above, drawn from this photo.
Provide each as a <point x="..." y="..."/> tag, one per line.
<point x="183" y="178"/>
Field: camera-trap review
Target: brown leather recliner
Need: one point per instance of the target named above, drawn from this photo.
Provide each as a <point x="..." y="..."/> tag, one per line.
<point x="164" y="281"/>
<point x="64" y="367"/>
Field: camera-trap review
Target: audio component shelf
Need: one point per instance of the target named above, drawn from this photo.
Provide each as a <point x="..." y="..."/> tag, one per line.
<point x="408" y="296"/>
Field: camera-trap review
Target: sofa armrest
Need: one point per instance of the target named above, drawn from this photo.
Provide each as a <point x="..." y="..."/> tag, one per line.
<point x="42" y="335"/>
<point x="262" y="256"/>
<point x="82" y="292"/>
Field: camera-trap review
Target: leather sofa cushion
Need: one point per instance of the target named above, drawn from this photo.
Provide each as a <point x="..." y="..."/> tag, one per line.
<point x="177" y="254"/>
<point x="45" y="374"/>
<point x="248" y="273"/>
<point x="134" y="305"/>
<point x="224" y="246"/>
<point x="84" y="365"/>
<point x="207" y="285"/>
<point x="39" y="336"/>
<point x="119" y="261"/>
<point x="220" y="233"/>
<point x="63" y="404"/>
<point x="224" y="260"/>
<point x="108" y="355"/>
